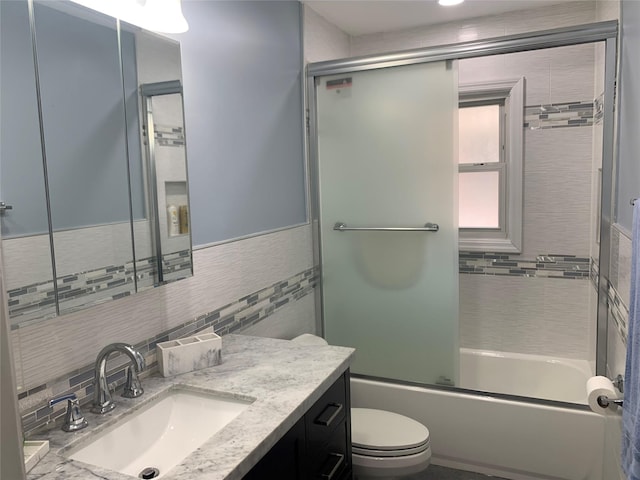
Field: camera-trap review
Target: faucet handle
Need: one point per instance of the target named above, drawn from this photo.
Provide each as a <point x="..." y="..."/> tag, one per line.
<point x="133" y="386"/>
<point x="73" y="419"/>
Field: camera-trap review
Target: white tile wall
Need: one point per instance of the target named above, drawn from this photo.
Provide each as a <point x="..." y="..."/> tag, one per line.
<point x="621" y="271"/>
<point x="607" y="10"/>
<point x="223" y="273"/>
<point x="557" y="189"/>
<point x="556" y="16"/>
<point x="289" y="322"/>
<point x="525" y="315"/>
<point x="572" y="73"/>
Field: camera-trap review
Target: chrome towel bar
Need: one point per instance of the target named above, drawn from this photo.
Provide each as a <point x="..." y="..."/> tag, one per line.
<point x="428" y="227"/>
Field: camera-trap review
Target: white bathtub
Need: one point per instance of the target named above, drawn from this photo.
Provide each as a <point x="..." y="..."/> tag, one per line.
<point x="535" y="376"/>
<point x="506" y="438"/>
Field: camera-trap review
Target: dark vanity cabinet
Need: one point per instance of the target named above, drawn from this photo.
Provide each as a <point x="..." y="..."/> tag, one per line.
<point x="319" y="444"/>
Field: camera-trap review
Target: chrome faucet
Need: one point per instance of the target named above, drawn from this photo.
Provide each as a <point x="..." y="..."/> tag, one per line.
<point x="102" y="401"/>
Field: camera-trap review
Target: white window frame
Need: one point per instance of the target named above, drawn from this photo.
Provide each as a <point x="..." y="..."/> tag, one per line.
<point x="507" y="238"/>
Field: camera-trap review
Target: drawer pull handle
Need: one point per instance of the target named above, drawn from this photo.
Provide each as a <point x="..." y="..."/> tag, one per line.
<point x="329" y="414"/>
<point x="338" y="461"/>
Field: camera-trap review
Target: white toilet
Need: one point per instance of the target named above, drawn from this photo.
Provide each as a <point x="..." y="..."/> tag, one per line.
<point x="385" y="445"/>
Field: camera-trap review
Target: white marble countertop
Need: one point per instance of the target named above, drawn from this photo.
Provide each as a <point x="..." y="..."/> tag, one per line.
<point x="285" y="378"/>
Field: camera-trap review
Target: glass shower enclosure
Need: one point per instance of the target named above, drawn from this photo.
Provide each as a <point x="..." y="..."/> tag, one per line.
<point x="383" y="146"/>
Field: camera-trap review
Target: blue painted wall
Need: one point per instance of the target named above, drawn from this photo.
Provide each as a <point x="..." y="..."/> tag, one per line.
<point x="242" y="67"/>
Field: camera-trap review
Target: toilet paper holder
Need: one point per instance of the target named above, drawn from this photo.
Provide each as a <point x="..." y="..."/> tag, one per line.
<point x="605" y="401"/>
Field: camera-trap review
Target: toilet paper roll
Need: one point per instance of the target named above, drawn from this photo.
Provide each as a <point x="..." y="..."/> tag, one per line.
<point x="597" y="386"/>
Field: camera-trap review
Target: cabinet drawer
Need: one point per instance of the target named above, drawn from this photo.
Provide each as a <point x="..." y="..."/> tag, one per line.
<point x="333" y="460"/>
<point x="327" y="413"/>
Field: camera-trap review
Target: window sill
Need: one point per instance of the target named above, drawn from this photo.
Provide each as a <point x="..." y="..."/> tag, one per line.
<point x="494" y="245"/>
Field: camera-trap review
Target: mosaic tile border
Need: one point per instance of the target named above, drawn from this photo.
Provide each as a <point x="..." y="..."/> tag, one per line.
<point x="598" y="109"/>
<point x="92" y="287"/>
<point x="619" y="312"/>
<point x="559" y="115"/>
<point x="594" y="273"/>
<point x="169" y="136"/>
<point x="166" y="135"/>
<point x="546" y="265"/>
<point x="234" y="317"/>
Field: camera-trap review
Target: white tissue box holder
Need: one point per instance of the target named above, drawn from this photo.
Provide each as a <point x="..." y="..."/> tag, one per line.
<point x="189" y="354"/>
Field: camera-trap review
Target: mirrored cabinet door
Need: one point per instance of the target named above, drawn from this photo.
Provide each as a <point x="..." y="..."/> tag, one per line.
<point x="91" y="202"/>
<point x="28" y="271"/>
<point x="163" y="234"/>
<point x="81" y="89"/>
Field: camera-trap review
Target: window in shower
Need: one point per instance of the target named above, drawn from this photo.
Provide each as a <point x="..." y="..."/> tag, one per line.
<point x="490" y="119"/>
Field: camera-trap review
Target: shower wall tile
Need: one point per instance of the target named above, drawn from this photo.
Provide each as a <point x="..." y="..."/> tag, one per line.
<point x="557" y="186"/>
<point x="525" y="315"/>
<point x="621" y="261"/>
<point x="616" y="351"/>
<point x="296" y="319"/>
<point x="561" y="15"/>
<point x="483" y="69"/>
<point x="17" y="359"/>
<point x="223" y="273"/>
<point x="322" y="39"/>
<point x="567" y="65"/>
<point x="535" y="67"/>
<point x="618" y="313"/>
<point x="607" y="10"/>
<point x="593" y="320"/>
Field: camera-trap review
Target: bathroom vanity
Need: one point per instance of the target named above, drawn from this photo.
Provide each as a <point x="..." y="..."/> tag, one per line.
<point x="296" y="426"/>
<point x="318" y="445"/>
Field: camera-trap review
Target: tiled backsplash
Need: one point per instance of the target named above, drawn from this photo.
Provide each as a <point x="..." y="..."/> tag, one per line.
<point x="91" y="287"/>
<point x="230" y="318"/>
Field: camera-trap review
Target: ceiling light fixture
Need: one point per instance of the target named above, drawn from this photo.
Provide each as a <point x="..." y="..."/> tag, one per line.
<point x="449" y="3"/>
<point x="163" y="16"/>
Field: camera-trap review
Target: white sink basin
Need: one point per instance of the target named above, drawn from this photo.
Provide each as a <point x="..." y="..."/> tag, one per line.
<point x="162" y="433"/>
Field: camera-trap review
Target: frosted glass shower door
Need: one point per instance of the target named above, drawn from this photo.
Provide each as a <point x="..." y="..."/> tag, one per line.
<point x="386" y="158"/>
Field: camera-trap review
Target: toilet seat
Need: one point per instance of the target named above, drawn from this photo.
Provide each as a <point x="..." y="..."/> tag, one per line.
<point x="370" y="452"/>
<point x="407" y="465"/>
<point x="378" y="433"/>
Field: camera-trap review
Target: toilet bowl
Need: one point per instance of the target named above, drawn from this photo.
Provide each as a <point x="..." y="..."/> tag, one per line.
<point x="385" y="445"/>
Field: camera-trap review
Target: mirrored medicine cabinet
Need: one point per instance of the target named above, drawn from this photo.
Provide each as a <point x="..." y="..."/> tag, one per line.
<point x="93" y="172"/>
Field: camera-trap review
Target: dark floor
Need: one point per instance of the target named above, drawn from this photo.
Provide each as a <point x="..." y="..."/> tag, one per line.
<point x="436" y="472"/>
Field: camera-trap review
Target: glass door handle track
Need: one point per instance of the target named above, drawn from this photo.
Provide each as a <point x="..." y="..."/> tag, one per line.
<point x="428" y="227"/>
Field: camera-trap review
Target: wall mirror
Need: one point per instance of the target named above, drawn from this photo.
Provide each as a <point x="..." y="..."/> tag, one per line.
<point x="92" y="160"/>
